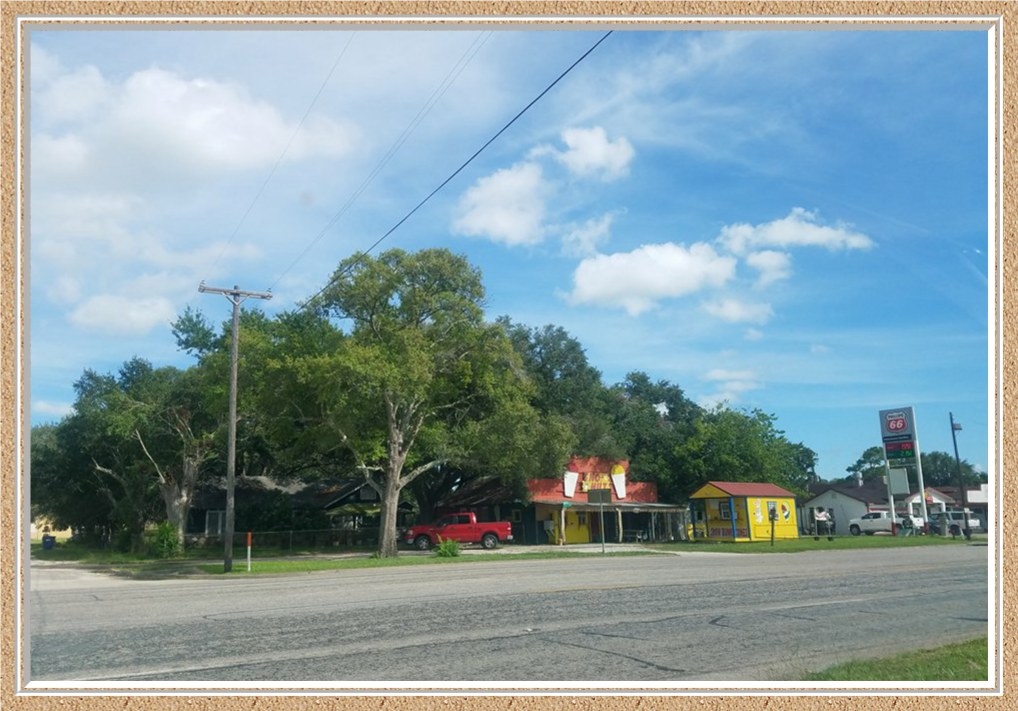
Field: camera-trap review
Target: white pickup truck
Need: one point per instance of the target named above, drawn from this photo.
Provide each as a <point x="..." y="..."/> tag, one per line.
<point x="880" y="521"/>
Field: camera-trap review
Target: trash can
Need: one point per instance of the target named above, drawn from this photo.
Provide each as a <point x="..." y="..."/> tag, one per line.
<point x="48" y="542"/>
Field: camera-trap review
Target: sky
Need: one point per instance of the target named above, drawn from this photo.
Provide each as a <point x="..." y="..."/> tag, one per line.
<point x="790" y="220"/>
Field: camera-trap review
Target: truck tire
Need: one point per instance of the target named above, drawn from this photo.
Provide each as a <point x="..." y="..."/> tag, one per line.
<point x="489" y="541"/>
<point x="854" y="530"/>
<point x="422" y="543"/>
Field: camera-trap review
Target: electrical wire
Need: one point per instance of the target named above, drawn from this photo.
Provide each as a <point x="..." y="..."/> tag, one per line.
<point x="436" y="95"/>
<point x="456" y="172"/>
<point x="286" y="148"/>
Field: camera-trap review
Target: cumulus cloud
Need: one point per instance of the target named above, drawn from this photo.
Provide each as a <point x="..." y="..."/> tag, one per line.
<point x="729" y="384"/>
<point x="737" y="311"/>
<point x="507" y="206"/>
<point x="119" y="315"/>
<point x="637" y="280"/>
<point x="584" y="239"/>
<point x="773" y="266"/>
<point x="214" y="124"/>
<point x="800" y="228"/>
<point x="590" y="154"/>
<point x="49" y="408"/>
<point x="158" y="123"/>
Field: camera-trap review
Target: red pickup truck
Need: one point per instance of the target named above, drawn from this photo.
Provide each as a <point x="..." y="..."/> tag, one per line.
<point x="461" y="527"/>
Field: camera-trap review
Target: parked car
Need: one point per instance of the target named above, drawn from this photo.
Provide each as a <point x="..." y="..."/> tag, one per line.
<point x="955" y="520"/>
<point x="462" y="527"/>
<point x="880" y="522"/>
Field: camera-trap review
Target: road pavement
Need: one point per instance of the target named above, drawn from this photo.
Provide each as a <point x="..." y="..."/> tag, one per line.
<point x="633" y="620"/>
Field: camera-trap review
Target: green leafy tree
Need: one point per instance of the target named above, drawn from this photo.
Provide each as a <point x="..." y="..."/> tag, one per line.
<point x="651" y="420"/>
<point x="567" y="389"/>
<point x="870" y="466"/>
<point x="941" y="469"/>
<point x="421" y="380"/>
<point x="734" y="445"/>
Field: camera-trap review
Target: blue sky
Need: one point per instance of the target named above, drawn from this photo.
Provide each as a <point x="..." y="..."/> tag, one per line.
<point x="790" y="220"/>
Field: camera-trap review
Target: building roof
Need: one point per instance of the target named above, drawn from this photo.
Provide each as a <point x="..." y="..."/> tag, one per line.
<point x="551" y="491"/>
<point x="740" y="488"/>
<point x="872" y="492"/>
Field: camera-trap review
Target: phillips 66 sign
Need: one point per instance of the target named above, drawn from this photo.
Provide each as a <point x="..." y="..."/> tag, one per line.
<point x="897" y="422"/>
<point x="897" y="429"/>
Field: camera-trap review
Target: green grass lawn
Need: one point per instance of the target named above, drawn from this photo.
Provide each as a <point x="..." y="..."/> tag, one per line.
<point x="965" y="661"/>
<point x="807" y="543"/>
<point x="70" y="551"/>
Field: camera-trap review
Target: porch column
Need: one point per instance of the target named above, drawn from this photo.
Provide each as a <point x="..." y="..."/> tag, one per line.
<point x="562" y="526"/>
<point x="618" y="518"/>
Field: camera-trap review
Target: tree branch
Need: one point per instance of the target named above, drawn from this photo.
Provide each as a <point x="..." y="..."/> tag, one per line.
<point x="159" y="472"/>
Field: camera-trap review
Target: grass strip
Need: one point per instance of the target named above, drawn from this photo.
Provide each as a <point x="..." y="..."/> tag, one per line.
<point x="963" y="661"/>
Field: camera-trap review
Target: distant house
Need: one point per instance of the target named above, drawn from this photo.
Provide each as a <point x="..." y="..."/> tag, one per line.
<point x="743" y="511"/>
<point x="345" y="511"/>
<point x="848" y="501"/>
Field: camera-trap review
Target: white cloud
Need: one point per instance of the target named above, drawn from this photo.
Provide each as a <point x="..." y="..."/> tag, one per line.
<point x="637" y="280"/>
<point x="507" y="206"/>
<point x="737" y="311"/>
<point x="583" y="240"/>
<point x="214" y="125"/>
<point x="734" y="375"/>
<point x="115" y="314"/>
<point x="49" y="408"/>
<point x="731" y="385"/>
<point x="800" y="228"/>
<point x="158" y="124"/>
<point x="773" y="266"/>
<point x="591" y="154"/>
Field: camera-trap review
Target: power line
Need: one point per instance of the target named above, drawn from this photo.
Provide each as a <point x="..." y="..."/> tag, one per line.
<point x="285" y="150"/>
<point x="439" y="92"/>
<point x="458" y="170"/>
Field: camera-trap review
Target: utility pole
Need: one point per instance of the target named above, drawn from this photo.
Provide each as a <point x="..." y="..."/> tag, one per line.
<point x="235" y="297"/>
<point x="966" y="531"/>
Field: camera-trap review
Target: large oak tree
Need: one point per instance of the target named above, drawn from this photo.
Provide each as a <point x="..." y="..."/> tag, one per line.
<point x="422" y="380"/>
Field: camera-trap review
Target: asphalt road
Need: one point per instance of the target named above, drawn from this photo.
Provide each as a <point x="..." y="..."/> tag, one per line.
<point x="662" y="619"/>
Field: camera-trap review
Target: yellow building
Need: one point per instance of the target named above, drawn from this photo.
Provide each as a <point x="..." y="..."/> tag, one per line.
<point x="742" y="511"/>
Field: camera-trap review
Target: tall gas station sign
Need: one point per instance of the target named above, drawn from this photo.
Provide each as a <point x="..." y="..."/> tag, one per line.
<point x="901" y="447"/>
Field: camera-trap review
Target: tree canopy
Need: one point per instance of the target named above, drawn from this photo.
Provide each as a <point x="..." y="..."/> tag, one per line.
<point x="393" y="374"/>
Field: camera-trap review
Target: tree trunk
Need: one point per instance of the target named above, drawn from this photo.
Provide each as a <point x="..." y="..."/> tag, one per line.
<point x="178" y="504"/>
<point x="387" y="543"/>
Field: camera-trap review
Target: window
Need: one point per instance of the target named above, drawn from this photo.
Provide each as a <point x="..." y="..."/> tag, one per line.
<point x="581" y="517"/>
<point x="215" y="522"/>
<point x="517" y="516"/>
<point x="724" y="511"/>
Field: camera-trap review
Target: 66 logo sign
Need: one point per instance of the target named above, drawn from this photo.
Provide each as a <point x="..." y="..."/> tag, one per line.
<point x="897" y="424"/>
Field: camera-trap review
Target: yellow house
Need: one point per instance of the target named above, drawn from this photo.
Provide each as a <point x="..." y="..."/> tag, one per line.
<point x="742" y="511"/>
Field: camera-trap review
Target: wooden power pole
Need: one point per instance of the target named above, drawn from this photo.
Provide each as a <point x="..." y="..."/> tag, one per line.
<point x="235" y="296"/>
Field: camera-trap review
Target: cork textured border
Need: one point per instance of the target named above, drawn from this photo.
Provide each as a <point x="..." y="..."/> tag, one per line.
<point x="14" y="266"/>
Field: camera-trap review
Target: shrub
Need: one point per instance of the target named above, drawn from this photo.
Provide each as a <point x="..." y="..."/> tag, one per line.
<point x="163" y="542"/>
<point x="447" y="548"/>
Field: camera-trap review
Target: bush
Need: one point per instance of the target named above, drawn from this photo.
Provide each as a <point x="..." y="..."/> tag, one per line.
<point x="163" y="542"/>
<point x="447" y="548"/>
